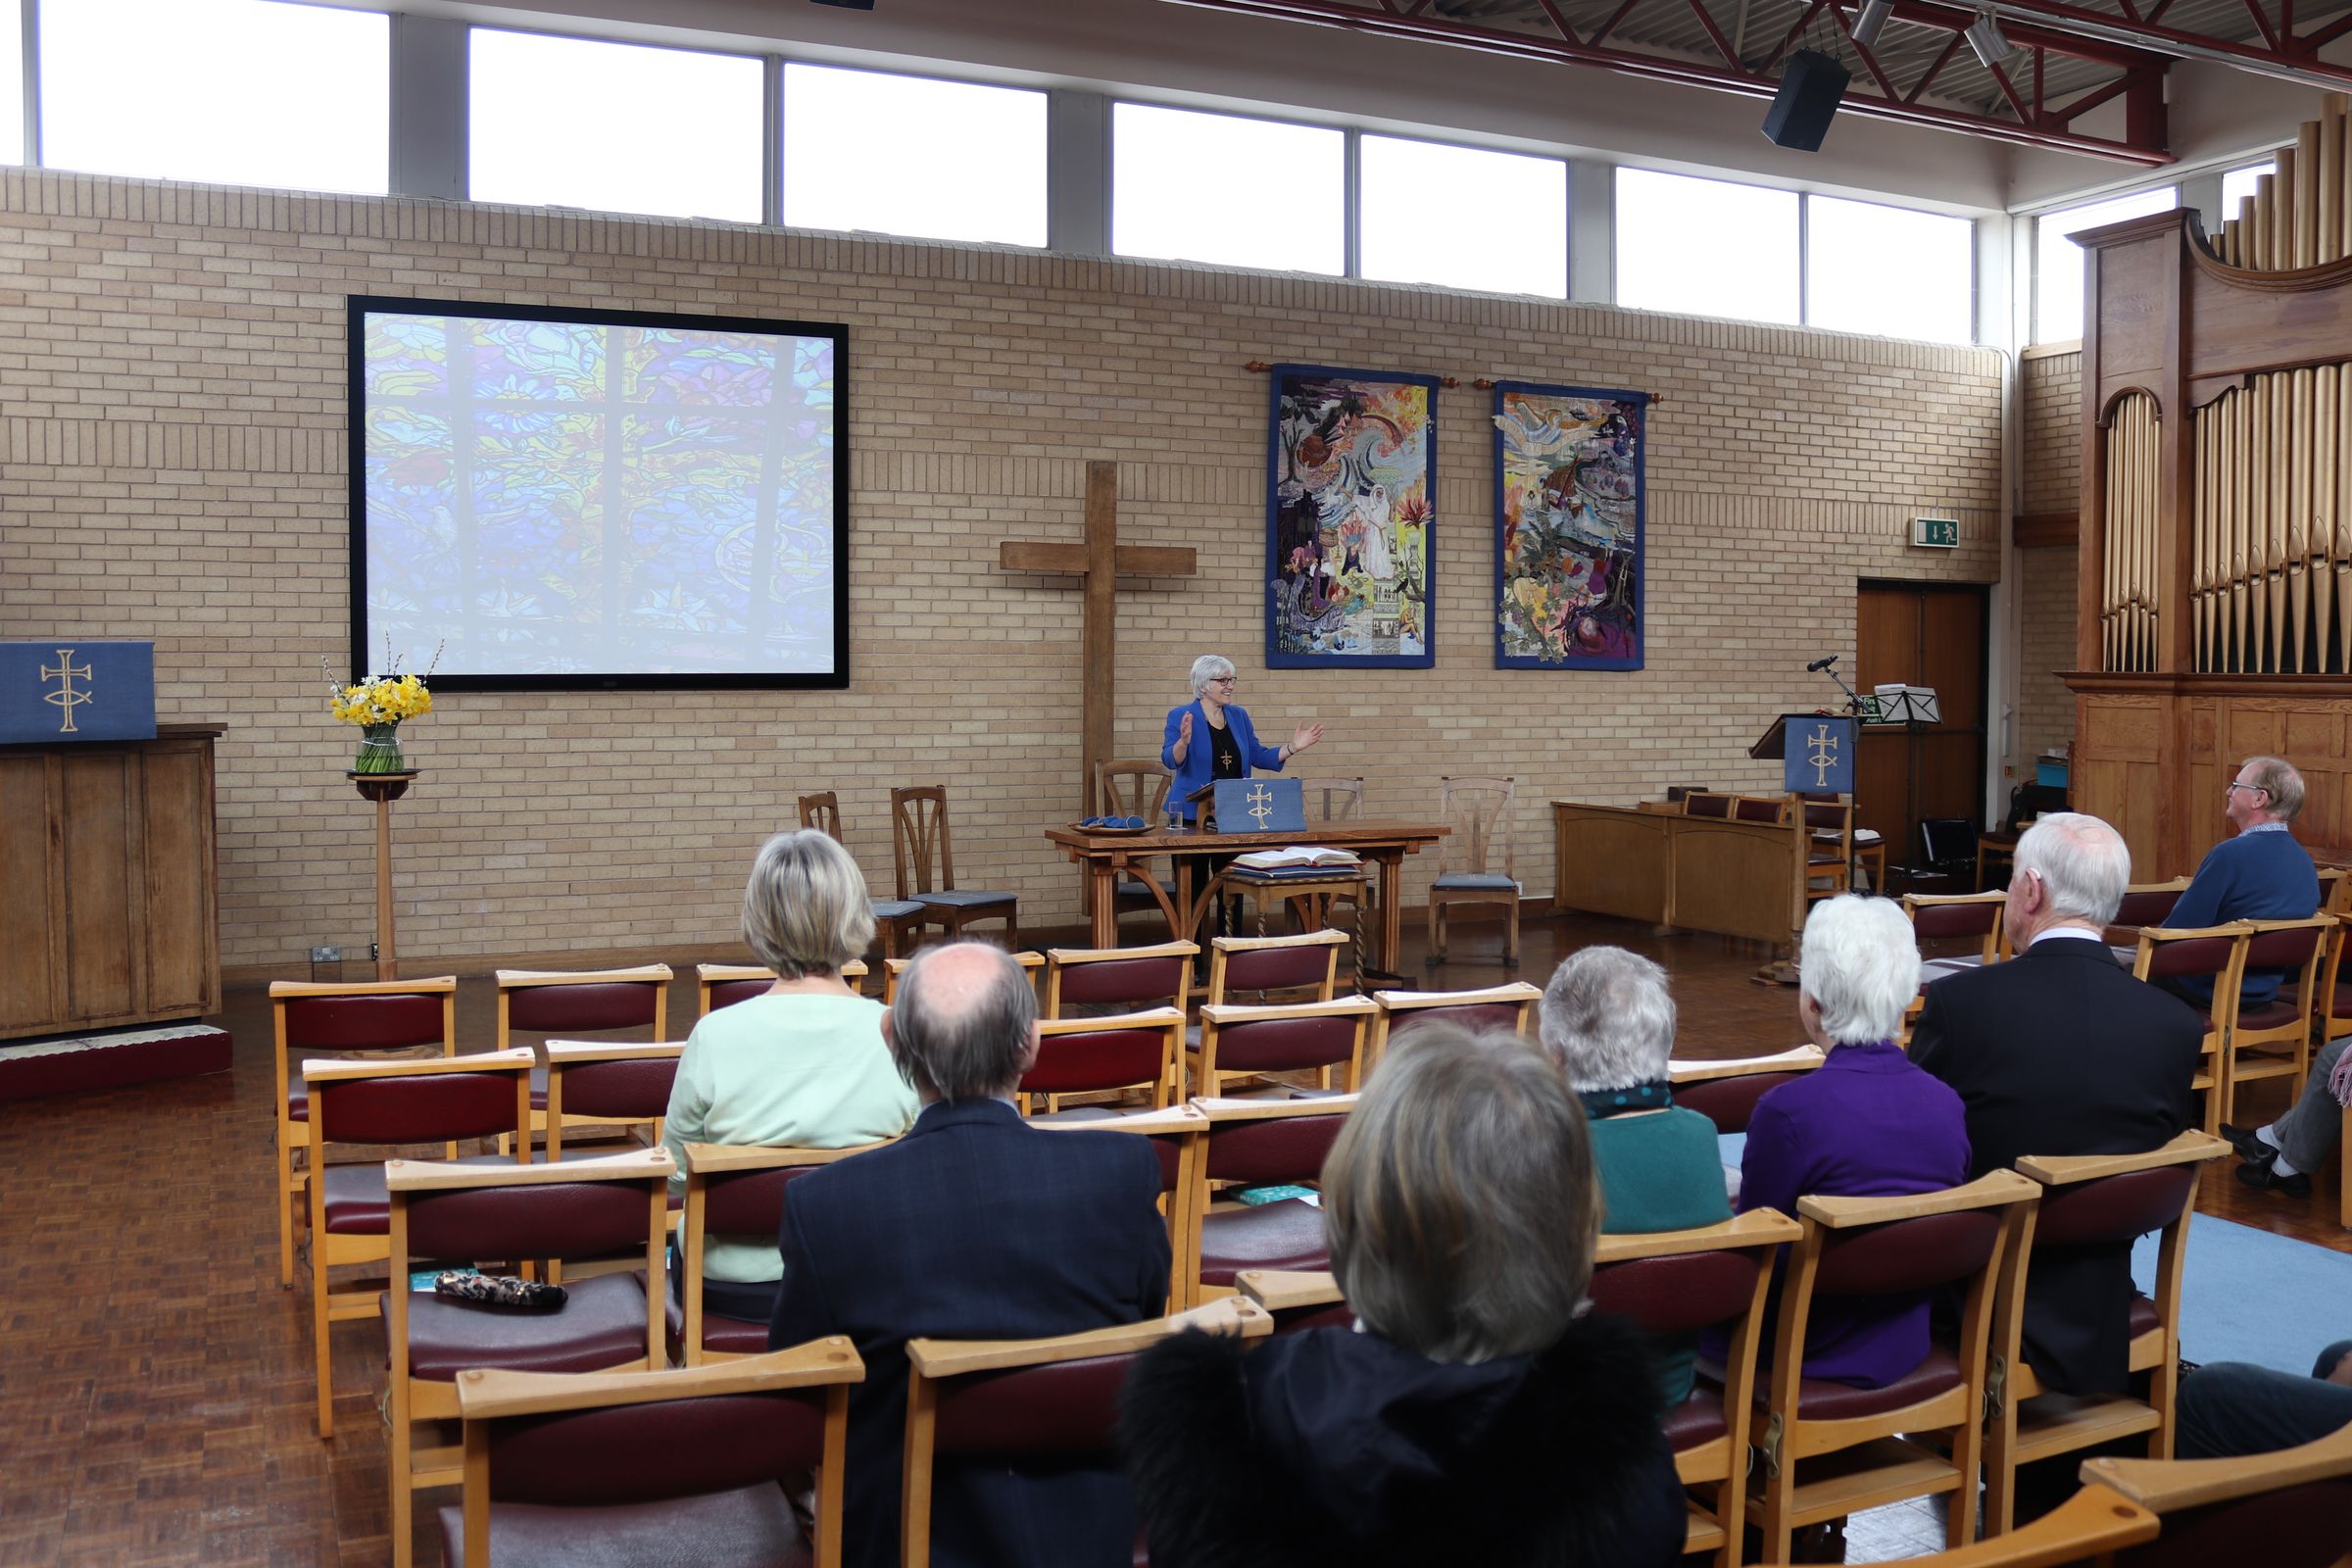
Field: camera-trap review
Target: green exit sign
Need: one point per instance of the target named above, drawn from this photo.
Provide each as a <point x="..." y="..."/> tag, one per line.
<point x="1936" y="534"/>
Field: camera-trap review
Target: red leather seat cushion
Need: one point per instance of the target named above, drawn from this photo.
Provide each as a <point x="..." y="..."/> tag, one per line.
<point x="356" y="1202"/>
<point x="735" y="1335"/>
<point x="1285" y="1235"/>
<point x="1818" y="1400"/>
<point x="298" y="1100"/>
<point x="601" y="1325"/>
<point x="751" y="1527"/>
<point x="1698" y="1420"/>
<point x="2272" y="1015"/>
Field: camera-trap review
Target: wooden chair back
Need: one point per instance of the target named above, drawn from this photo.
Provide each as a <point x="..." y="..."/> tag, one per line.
<point x="2214" y="951"/>
<point x="308" y="1019"/>
<point x="1760" y="809"/>
<point x="2293" y="1507"/>
<point x="1058" y="1398"/>
<point x="589" y="1082"/>
<point x="1510" y="1006"/>
<point x="734" y="1190"/>
<point x="2274" y="1042"/>
<point x="2149" y="903"/>
<point x="1258" y="1142"/>
<point x="823" y="811"/>
<point x="1333" y="800"/>
<point x="1123" y="979"/>
<point x="1726" y="1092"/>
<point x="1680" y="1282"/>
<point x="1944" y="916"/>
<point x="1829" y="826"/>
<point x="1096" y="1055"/>
<point x="1326" y="1038"/>
<point x="547" y="1441"/>
<point x="1133" y="786"/>
<point x="1478" y="811"/>
<point x="1308" y="961"/>
<point x="570" y="1001"/>
<point x="1175" y="1134"/>
<point x="722" y="985"/>
<point x="922" y="851"/>
<point x="2335" y="890"/>
<point x="1707" y="802"/>
<point x="2091" y="1200"/>
<point x="1879" y="1247"/>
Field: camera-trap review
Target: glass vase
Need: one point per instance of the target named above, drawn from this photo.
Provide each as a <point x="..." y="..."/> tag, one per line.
<point x="380" y="751"/>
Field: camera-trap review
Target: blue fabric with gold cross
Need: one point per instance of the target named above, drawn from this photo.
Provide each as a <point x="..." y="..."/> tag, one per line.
<point x="75" y="689"/>
<point x="1259" y="806"/>
<point x="1818" y="758"/>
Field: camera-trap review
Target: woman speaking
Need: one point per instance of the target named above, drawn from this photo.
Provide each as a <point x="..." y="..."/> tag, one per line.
<point x="1210" y="737"/>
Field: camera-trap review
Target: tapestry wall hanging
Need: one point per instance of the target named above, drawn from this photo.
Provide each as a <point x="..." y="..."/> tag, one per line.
<point x="1568" y="517"/>
<point x="1350" y="486"/>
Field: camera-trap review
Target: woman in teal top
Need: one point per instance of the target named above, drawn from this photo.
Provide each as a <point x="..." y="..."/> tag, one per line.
<point x="801" y="1065"/>
<point x="1608" y="1020"/>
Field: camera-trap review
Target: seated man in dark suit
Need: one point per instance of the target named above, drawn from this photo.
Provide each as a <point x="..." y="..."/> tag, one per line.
<point x="973" y="1226"/>
<point x="2059" y="1051"/>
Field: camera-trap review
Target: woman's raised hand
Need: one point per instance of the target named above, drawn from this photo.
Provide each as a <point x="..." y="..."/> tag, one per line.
<point x="1308" y="734"/>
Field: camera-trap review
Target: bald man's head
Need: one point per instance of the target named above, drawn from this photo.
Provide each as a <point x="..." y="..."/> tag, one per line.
<point x="964" y="1024"/>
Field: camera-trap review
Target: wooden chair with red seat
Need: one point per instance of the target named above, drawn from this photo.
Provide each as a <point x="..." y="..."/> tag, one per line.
<point x="691" y="1466"/>
<point x="1869" y="847"/>
<point x="1950" y="916"/>
<point x="1830" y="1449"/>
<point x="2091" y="1200"/>
<point x="1258" y="1143"/>
<point x="1324" y="1037"/>
<point x="389" y="1104"/>
<point x="443" y="1214"/>
<point x="1120" y="979"/>
<point x="1708" y="804"/>
<point x="1261" y="965"/>
<point x="1726" y="1092"/>
<point x="1760" y="809"/>
<point x="1033" y="965"/>
<point x="1510" y="1006"/>
<point x="2287" y="1510"/>
<point x="1478" y="812"/>
<point x="575" y="1001"/>
<point x="1050" y="1401"/>
<point x="2216" y="953"/>
<point x="1681" y="1283"/>
<point x="2146" y="903"/>
<point x="733" y="1189"/>
<point x="1122" y="1051"/>
<point x="894" y="918"/>
<point x="722" y="985"/>
<point x="309" y="1020"/>
<point x="591" y="1084"/>
<point x="923" y="853"/>
<point x="2274" y="1040"/>
<point x="1175" y="1134"/>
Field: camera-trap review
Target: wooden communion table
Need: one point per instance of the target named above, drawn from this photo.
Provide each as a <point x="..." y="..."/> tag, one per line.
<point x="1106" y="857"/>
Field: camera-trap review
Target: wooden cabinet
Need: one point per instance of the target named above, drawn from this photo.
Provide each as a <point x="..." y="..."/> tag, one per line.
<point x="107" y="895"/>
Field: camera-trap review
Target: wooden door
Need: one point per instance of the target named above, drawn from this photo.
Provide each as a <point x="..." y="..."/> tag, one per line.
<point x="1921" y="634"/>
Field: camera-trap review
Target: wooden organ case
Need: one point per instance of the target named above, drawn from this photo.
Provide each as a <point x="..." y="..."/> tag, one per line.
<point x="2215" y="611"/>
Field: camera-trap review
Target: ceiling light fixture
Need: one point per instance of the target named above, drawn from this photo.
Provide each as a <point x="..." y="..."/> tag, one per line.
<point x="1987" y="41"/>
<point x="1869" y="18"/>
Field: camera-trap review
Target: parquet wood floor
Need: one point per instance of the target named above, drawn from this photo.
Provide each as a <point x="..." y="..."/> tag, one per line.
<point x="155" y="1384"/>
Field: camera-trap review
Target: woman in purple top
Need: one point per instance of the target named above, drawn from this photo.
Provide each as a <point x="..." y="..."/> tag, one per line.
<point x="1865" y="1124"/>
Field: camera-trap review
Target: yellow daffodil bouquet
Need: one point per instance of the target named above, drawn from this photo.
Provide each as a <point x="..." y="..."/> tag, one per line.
<point x="377" y="704"/>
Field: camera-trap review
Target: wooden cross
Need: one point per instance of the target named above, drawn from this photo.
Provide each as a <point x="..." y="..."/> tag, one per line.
<point x="1099" y="560"/>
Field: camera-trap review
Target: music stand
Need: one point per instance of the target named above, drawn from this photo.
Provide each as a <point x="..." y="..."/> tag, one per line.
<point x="1912" y="708"/>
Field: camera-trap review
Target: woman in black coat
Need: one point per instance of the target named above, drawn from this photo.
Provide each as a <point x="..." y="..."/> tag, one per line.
<point x="1477" y="1414"/>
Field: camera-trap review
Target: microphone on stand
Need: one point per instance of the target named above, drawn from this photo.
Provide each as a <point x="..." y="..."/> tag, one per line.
<point x="1819" y="665"/>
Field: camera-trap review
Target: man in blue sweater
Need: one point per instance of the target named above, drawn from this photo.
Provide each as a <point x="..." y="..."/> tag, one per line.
<point x="2260" y="874"/>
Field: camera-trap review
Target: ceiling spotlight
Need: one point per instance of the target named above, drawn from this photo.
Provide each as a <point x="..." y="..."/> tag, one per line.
<point x="1869" y="18"/>
<point x="1985" y="41"/>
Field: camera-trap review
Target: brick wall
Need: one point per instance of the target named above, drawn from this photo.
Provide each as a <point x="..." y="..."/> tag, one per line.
<point x="172" y="464"/>
<point x="2052" y="437"/>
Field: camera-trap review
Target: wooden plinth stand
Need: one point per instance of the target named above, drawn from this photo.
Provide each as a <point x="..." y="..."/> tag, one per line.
<point x="383" y="789"/>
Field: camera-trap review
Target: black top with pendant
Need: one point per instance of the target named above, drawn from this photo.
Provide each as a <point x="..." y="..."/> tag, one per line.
<point x="1226" y="752"/>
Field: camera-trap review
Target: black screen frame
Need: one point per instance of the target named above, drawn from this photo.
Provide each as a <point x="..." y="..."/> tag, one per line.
<point x="359" y="307"/>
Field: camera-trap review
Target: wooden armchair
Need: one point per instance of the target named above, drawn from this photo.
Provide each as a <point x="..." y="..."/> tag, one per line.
<point x="2219" y="954"/>
<point x="709" y="1452"/>
<point x="1726" y="1092"/>
<point x="1126" y="1050"/>
<point x="1261" y="965"/>
<point x="734" y="1190"/>
<point x="591" y="1084"/>
<point x="1681" y="1282"/>
<point x="2288" y="1509"/>
<point x="924" y="856"/>
<point x="893" y="918"/>
<point x="314" y="1021"/>
<point x="1478" y="811"/>
<point x="610" y="1323"/>
<point x="1258" y="1143"/>
<point x="2091" y="1200"/>
<point x="1123" y="979"/>
<point x="1829" y="1450"/>
<point x="2273" y="1041"/>
<point x="1065" y="1388"/>
<point x="1319" y="1037"/>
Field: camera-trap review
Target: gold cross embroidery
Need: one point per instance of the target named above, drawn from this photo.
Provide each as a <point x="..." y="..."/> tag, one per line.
<point x="1262" y="805"/>
<point x="64" y="672"/>
<point x="1824" y="755"/>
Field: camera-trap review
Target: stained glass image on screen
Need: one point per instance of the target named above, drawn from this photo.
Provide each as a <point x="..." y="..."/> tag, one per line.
<point x="563" y="498"/>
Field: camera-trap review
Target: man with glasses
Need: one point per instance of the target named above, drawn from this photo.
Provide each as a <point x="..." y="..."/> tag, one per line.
<point x="2260" y="874"/>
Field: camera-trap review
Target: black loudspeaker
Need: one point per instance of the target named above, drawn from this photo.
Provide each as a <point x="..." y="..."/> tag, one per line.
<point x="1801" y="112"/>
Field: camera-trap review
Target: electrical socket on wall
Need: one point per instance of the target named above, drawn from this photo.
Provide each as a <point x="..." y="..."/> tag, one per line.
<point x="327" y="955"/>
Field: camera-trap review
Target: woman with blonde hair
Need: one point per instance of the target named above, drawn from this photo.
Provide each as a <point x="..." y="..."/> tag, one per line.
<point x="1478" y="1413"/>
<point x="801" y="1065"/>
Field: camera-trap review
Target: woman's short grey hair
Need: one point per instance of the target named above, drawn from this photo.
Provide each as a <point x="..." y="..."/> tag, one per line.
<point x="1209" y="667"/>
<point x="2278" y="778"/>
<point x="961" y="1022"/>
<point x="1460" y="1197"/>
<point x="1608" y="1019"/>
<point x="805" y="909"/>
<point x="2083" y="865"/>
<point x="1860" y="963"/>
